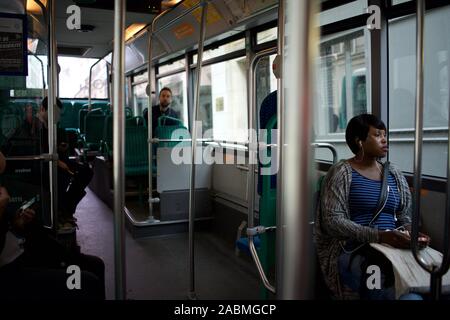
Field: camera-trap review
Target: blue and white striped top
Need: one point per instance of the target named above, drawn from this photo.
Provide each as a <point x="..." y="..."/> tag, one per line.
<point x="363" y="200"/>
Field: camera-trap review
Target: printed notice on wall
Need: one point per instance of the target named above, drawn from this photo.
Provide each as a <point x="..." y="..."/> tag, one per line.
<point x="13" y="49"/>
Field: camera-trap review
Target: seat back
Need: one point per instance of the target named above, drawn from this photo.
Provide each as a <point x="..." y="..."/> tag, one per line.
<point x="176" y="130"/>
<point x="68" y="116"/>
<point x="135" y="122"/>
<point x="128" y="112"/>
<point x="94" y="127"/>
<point x="136" y="151"/>
<point x="107" y="140"/>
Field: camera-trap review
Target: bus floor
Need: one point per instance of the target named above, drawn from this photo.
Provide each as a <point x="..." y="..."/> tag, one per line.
<point x="157" y="268"/>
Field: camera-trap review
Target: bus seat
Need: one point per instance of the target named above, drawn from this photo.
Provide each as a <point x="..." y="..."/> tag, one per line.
<point x="82" y="115"/>
<point x="107" y="140"/>
<point x="136" y="151"/>
<point x="94" y="129"/>
<point x="104" y="106"/>
<point x="177" y="131"/>
<point x="136" y="155"/>
<point x="128" y="112"/>
<point x="67" y="115"/>
<point x="135" y="121"/>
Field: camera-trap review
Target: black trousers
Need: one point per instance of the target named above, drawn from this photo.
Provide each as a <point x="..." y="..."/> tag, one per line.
<point x="41" y="273"/>
<point x="71" y="187"/>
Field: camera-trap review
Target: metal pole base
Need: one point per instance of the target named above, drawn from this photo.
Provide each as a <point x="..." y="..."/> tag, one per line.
<point x="192" y="296"/>
<point x="151" y="220"/>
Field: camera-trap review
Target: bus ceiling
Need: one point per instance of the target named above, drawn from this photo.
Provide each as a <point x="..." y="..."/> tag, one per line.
<point x="225" y="18"/>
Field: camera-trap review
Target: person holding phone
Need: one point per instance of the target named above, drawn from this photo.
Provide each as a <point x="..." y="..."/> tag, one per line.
<point x="34" y="266"/>
<point x="350" y="214"/>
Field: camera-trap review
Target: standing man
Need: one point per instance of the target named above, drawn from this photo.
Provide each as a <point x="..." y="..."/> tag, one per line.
<point x="162" y="109"/>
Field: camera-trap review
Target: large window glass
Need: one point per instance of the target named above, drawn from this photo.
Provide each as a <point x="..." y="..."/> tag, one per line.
<point x="222" y="50"/>
<point x="140" y="98"/>
<point x="177" y="84"/>
<point x="395" y="2"/>
<point x="267" y="35"/>
<point x="223" y="100"/>
<point x="140" y="77"/>
<point x="341" y="82"/>
<point x="20" y="97"/>
<point x="176" y="65"/>
<point x="402" y="88"/>
<point x="342" y="85"/>
<point x="74" y="78"/>
<point x="34" y="80"/>
<point x="37" y="67"/>
<point x="346" y="11"/>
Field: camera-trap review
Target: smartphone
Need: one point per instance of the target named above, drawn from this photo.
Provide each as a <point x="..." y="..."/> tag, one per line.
<point x="28" y="204"/>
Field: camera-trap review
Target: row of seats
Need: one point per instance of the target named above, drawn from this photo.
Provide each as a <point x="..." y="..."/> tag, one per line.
<point x="72" y="112"/>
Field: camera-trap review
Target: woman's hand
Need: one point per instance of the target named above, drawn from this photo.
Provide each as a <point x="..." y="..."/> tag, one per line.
<point x="395" y="239"/>
<point x="423" y="239"/>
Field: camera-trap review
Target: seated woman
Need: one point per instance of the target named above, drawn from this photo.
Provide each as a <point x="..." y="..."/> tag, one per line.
<point x="347" y="215"/>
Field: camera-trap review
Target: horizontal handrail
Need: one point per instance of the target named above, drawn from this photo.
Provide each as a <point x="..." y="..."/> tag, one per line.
<point x="45" y="157"/>
<point x="327" y="146"/>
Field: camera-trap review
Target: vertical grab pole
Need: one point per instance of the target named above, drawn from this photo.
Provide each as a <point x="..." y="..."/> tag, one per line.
<point x="90" y="84"/>
<point x="119" y="148"/>
<point x="296" y="276"/>
<point x="418" y="131"/>
<point x="436" y="272"/>
<point x="192" y="294"/>
<point x="151" y="200"/>
<point x="280" y="143"/>
<point x="52" y="88"/>
<point x="418" y="123"/>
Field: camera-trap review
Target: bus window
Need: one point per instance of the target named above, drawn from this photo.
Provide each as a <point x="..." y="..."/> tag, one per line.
<point x="74" y="78"/>
<point x="359" y="99"/>
<point x="402" y="91"/>
<point x="177" y="83"/>
<point x="342" y="87"/>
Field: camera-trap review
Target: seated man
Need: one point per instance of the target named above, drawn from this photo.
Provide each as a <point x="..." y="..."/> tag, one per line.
<point x="73" y="177"/>
<point x="33" y="265"/>
<point x="162" y="109"/>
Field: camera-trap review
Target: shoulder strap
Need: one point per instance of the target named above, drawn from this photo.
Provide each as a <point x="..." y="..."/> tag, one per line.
<point x="383" y="194"/>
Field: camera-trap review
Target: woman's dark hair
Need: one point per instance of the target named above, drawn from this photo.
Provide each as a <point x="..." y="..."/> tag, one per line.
<point x="358" y="128"/>
<point x="45" y="103"/>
